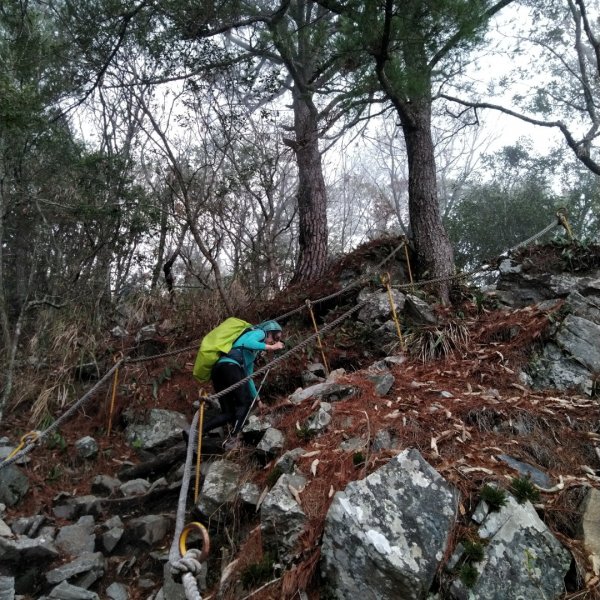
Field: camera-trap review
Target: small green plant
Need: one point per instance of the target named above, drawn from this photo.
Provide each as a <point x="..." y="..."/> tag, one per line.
<point x="473" y="551"/>
<point x="54" y="473"/>
<point x="495" y="497"/>
<point x="57" y="440"/>
<point x="304" y="433"/>
<point x="468" y="574"/>
<point x="257" y="573"/>
<point x="136" y="443"/>
<point x="358" y="459"/>
<point x="274" y="476"/>
<point x="523" y="489"/>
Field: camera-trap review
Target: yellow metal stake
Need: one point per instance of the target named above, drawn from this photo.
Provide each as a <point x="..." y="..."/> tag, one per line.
<point x="561" y="213"/>
<point x="112" y="400"/>
<point x="319" y="344"/>
<point x="199" y="451"/>
<point x="407" y="263"/>
<point x="385" y="280"/>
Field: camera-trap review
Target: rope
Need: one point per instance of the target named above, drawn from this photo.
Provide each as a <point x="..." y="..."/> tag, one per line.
<point x="86" y="397"/>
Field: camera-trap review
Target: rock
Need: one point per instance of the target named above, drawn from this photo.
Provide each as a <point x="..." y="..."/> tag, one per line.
<point x="149" y="529"/>
<point x="272" y="442"/>
<point x="86" y="447"/>
<point x="5" y="530"/>
<point x="219" y="489"/>
<point x="383" y="383"/>
<point x="335" y="375"/>
<point x="386" y="535"/>
<point x="509" y="267"/>
<point x="105" y="485"/>
<point x="522" y="559"/>
<point x="579" y="337"/>
<point x="319" y="421"/>
<point x="163" y="427"/>
<point x="117" y="591"/>
<point x="75" y="507"/>
<point x="119" y="332"/>
<point x="13" y="485"/>
<point x="377" y="308"/>
<point x="75" y="540"/>
<point x="256" y="426"/>
<point x="28" y="526"/>
<point x="134" y="487"/>
<point x="25" y="549"/>
<point x="287" y="460"/>
<point x="328" y="392"/>
<point x="587" y="307"/>
<point x="353" y="445"/>
<point x="149" y="332"/>
<point x="111" y="538"/>
<point x="528" y="471"/>
<point x="282" y="519"/>
<point x="66" y="591"/>
<point x="7" y="588"/>
<point x="589" y="528"/>
<point x="419" y="311"/>
<point x="249" y="493"/>
<point x="87" y="567"/>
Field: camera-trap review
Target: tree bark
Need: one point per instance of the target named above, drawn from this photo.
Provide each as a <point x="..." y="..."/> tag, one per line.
<point x="312" y="197"/>
<point x="434" y="252"/>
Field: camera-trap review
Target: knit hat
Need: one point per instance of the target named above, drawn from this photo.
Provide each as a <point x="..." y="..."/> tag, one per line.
<point x="267" y="326"/>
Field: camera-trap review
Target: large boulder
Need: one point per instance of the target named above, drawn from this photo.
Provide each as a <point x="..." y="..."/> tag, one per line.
<point x="13" y="485"/>
<point x="522" y="559"/>
<point x="162" y="427"/>
<point x="219" y="490"/>
<point x="386" y="534"/>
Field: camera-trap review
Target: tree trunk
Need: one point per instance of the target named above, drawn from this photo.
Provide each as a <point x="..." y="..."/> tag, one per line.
<point x="434" y="252"/>
<point x="312" y="198"/>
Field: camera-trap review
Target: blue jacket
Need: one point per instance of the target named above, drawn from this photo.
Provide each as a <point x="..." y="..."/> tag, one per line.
<point x="244" y="352"/>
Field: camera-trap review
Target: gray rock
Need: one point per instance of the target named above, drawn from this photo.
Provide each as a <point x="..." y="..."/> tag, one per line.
<point x="75" y="507"/>
<point x="353" y="444"/>
<point x="5" y="530"/>
<point x="522" y="559"/>
<point x="419" y="311"/>
<point x="66" y="591"/>
<point x="282" y="519"/>
<point x="528" y="471"/>
<point x="134" y="487"/>
<point x="328" y="392"/>
<point x="28" y="526"/>
<point x="111" y="538"/>
<point x="386" y="535"/>
<point x="7" y="588"/>
<point x="509" y="266"/>
<point x="86" y="564"/>
<point x="86" y="447"/>
<point x="383" y="440"/>
<point x="13" y="485"/>
<point x="117" y="591"/>
<point x="25" y="549"/>
<point x="119" y="332"/>
<point x="75" y="540"/>
<point x="149" y="332"/>
<point x="219" y="489"/>
<point x="587" y="307"/>
<point x="256" y="425"/>
<point x="272" y="442"/>
<point x="377" y="308"/>
<point x="105" y="485"/>
<point x="149" y="529"/>
<point x="579" y="338"/>
<point x="163" y="427"/>
<point x="589" y="528"/>
<point x="383" y="383"/>
<point x="249" y="493"/>
<point x="319" y="421"/>
<point x="287" y="460"/>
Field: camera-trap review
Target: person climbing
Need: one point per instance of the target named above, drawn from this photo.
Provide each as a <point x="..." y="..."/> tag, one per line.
<point x="234" y="366"/>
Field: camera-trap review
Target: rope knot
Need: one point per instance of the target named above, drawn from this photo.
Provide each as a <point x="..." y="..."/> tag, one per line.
<point x="190" y="563"/>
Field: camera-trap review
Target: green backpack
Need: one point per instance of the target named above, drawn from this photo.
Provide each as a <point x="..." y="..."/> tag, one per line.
<point x="216" y="343"/>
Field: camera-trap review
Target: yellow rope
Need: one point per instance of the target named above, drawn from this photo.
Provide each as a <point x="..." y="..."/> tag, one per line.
<point x="26" y="439"/>
<point x="198" y="453"/>
<point x="385" y="280"/>
<point x="319" y="344"/>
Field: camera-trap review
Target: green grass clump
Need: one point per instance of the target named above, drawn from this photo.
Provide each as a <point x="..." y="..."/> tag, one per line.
<point x="494" y="497"/>
<point x="523" y="489"/>
<point x="468" y="575"/>
<point x="473" y="551"/>
<point x="257" y="573"/>
<point x="358" y="459"/>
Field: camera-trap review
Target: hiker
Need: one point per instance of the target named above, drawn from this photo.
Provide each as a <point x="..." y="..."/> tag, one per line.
<point x="234" y="366"/>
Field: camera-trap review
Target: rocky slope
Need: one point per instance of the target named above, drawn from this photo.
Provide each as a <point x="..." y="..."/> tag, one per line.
<point x="466" y="466"/>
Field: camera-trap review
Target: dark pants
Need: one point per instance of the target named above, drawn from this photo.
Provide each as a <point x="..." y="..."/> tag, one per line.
<point x="235" y="404"/>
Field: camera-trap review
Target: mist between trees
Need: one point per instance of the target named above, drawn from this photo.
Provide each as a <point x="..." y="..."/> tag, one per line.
<point x="186" y="150"/>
